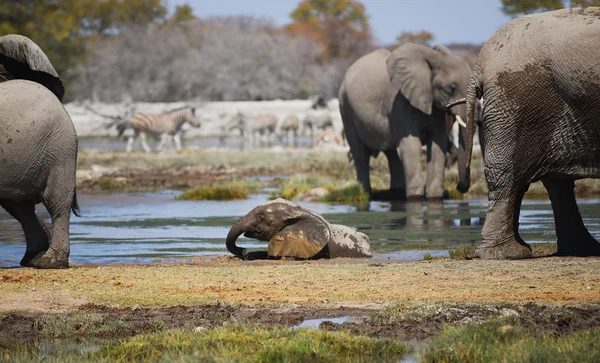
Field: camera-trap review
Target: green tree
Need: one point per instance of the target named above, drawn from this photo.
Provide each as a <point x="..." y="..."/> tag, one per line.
<point x="518" y="7"/>
<point x="65" y="29"/>
<point x="340" y="26"/>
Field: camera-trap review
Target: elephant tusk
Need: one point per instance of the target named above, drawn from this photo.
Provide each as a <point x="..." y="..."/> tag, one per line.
<point x="460" y="121"/>
<point x="457" y="102"/>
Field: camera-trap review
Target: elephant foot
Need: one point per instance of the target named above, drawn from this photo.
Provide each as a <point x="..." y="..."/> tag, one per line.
<point x="29" y="256"/>
<point x="43" y="261"/>
<point x="509" y="250"/>
<point x="578" y="246"/>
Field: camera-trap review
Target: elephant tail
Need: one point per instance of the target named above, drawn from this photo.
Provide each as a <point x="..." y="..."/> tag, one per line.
<point x="75" y="205"/>
<point x="474" y="89"/>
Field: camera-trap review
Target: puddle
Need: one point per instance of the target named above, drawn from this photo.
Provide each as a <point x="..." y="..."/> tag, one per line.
<point x="315" y="323"/>
<point x="150" y="228"/>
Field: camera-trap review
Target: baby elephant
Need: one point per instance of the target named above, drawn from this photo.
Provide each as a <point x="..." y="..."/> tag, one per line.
<point x="294" y="231"/>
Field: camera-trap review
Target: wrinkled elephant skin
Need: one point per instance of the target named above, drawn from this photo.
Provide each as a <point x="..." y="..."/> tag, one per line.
<point x="296" y="232"/>
<point x="38" y="144"/>
<point x="539" y="79"/>
<point x="395" y="102"/>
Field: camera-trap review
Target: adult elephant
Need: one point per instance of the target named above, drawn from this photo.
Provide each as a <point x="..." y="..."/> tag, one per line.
<point x="540" y="81"/>
<point x="395" y="101"/>
<point x="38" y="148"/>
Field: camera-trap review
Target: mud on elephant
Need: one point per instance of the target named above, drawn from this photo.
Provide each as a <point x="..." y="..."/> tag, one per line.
<point x="540" y="81"/>
<point x="294" y="231"/>
<point x="396" y="101"/>
<point x="39" y="151"/>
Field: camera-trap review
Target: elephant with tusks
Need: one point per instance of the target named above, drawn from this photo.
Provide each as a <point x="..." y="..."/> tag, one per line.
<point x="395" y="102"/>
<point x="296" y="232"/>
<point x="38" y="145"/>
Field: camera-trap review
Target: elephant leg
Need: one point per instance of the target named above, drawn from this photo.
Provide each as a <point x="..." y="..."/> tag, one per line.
<point x="500" y="233"/>
<point x="361" y="155"/>
<point x="177" y="140"/>
<point x="410" y="152"/>
<point x="37" y="234"/>
<point x="436" y="164"/>
<point x="397" y="178"/>
<point x="144" y="143"/>
<point x="573" y="238"/>
<point x="57" y="198"/>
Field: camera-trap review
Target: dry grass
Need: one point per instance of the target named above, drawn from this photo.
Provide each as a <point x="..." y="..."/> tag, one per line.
<point x="277" y="282"/>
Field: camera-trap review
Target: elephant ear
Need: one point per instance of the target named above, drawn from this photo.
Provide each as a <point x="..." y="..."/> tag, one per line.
<point x="410" y="74"/>
<point x="21" y="58"/>
<point x="442" y="49"/>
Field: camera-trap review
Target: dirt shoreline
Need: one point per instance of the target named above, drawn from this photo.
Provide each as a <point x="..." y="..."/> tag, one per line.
<point x="554" y="293"/>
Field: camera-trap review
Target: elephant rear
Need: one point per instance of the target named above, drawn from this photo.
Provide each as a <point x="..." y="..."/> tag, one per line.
<point x="37" y="140"/>
<point x="361" y="101"/>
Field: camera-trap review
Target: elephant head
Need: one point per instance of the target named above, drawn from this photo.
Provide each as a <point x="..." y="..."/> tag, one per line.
<point x="428" y="77"/>
<point x="294" y="231"/>
<point x="21" y="58"/>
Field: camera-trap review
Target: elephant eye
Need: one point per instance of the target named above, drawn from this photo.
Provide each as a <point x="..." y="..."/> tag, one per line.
<point x="452" y="87"/>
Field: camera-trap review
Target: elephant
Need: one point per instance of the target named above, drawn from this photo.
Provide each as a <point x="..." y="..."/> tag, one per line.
<point x="297" y="232"/>
<point x="540" y="81"/>
<point x="395" y="101"/>
<point x="38" y="148"/>
<point x="253" y="127"/>
<point x="289" y="127"/>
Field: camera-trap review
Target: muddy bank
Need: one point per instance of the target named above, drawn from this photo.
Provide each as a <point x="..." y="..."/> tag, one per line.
<point x="414" y="321"/>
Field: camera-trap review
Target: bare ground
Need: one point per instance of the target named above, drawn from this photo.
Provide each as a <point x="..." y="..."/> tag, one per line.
<point x="401" y="300"/>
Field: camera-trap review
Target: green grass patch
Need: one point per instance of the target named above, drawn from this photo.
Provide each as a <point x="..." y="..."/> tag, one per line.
<point x="299" y="184"/>
<point x="225" y="190"/>
<point x="507" y="341"/>
<point x="353" y="193"/>
<point x="253" y="344"/>
<point x="238" y="343"/>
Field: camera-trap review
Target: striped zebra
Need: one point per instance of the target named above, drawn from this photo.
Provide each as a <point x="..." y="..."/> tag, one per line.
<point x="253" y="127"/>
<point x="320" y="121"/>
<point x="289" y="128"/>
<point x="166" y="125"/>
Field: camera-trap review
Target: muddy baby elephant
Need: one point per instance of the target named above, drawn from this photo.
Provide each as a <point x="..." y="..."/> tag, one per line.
<point x="294" y="231"/>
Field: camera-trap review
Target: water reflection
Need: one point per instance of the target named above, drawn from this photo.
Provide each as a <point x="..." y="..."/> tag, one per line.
<point x="155" y="228"/>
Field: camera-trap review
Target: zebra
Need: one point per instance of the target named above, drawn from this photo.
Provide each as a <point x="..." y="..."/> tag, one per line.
<point x="316" y="121"/>
<point x="167" y="125"/>
<point x="289" y="127"/>
<point x="253" y="127"/>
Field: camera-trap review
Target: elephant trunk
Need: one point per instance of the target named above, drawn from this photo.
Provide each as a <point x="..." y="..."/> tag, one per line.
<point x="236" y="230"/>
<point x="465" y="175"/>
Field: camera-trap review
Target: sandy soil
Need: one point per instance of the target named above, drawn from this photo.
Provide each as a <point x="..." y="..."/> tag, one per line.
<point x="226" y="290"/>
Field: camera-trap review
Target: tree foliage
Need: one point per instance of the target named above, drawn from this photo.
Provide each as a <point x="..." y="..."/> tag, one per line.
<point x="234" y="58"/>
<point x="341" y="27"/>
<point x="423" y="37"/>
<point x="518" y="7"/>
<point x="65" y="29"/>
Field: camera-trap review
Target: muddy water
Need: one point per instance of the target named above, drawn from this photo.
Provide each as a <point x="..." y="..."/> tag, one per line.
<point x="155" y="228"/>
